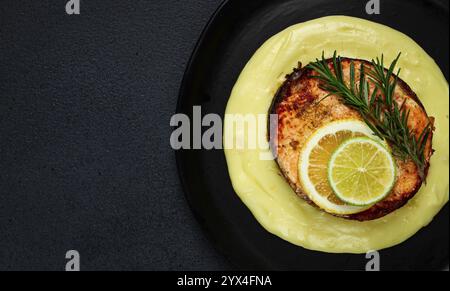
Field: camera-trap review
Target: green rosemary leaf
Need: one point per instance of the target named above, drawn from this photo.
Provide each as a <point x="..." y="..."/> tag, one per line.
<point x="352" y="77"/>
<point x="379" y="110"/>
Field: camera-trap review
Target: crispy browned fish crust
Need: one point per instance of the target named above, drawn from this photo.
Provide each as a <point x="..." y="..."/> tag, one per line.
<point x="300" y="115"/>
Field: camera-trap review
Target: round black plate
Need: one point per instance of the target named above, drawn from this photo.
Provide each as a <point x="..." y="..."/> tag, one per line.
<point x="236" y="31"/>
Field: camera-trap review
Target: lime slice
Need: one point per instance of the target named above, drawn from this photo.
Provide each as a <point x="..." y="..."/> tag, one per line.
<point x="362" y="172"/>
<point x="314" y="160"/>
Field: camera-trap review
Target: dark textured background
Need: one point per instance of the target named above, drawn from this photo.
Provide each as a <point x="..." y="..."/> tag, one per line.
<point x="85" y="160"/>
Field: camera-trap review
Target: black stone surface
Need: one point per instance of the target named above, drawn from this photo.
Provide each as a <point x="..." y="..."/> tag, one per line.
<point x="85" y="160"/>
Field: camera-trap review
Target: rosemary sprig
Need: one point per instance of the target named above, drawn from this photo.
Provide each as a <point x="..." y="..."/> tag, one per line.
<point x="387" y="119"/>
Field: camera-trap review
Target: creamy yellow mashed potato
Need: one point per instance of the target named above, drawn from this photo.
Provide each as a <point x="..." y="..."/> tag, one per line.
<point x="259" y="183"/>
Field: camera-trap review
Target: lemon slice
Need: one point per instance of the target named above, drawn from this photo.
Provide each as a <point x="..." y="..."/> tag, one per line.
<point x="362" y="172"/>
<point x="315" y="158"/>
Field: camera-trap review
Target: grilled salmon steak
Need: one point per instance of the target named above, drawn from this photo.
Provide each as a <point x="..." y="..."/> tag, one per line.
<point x="302" y="109"/>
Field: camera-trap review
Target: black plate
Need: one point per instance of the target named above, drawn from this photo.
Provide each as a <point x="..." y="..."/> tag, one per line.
<point x="236" y="31"/>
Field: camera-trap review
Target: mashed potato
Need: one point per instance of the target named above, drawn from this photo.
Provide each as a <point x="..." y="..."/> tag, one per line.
<point x="265" y="192"/>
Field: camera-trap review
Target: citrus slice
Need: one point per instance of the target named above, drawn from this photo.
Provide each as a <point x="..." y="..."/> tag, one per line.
<point x="315" y="158"/>
<point x="362" y="172"/>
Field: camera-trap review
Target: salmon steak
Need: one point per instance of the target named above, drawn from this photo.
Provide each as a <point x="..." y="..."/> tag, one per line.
<point x="303" y="107"/>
